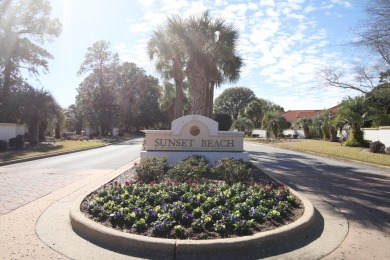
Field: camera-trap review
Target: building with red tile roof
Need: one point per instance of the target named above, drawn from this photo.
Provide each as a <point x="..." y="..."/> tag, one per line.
<point x="293" y="115"/>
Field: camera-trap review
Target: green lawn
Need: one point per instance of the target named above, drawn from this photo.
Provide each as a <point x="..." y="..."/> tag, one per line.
<point x="47" y="148"/>
<point x="334" y="149"/>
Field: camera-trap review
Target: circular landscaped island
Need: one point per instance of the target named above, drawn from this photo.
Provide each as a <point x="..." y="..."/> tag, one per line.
<point x="190" y="201"/>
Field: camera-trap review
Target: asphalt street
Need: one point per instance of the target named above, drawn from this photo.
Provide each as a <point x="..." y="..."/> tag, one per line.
<point x="359" y="191"/>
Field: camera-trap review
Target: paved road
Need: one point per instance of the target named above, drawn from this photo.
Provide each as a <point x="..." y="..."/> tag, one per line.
<point x="25" y="182"/>
<point x="362" y="193"/>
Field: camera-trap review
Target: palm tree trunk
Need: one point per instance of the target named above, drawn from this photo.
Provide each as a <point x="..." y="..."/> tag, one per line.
<point x="179" y="99"/>
<point x="357" y="134"/>
<point x="197" y="88"/>
<point x="333" y="133"/>
<point x="58" y="131"/>
<point x="4" y="115"/>
<point x="207" y="100"/>
<point x="178" y="78"/>
<point x="306" y="130"/>
<point x="42" y="131"/>
<point x="210" y="99"/>
<point x="33" y="130"/>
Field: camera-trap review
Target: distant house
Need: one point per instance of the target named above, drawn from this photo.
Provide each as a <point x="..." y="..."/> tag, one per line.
<point x="293" y="115"/>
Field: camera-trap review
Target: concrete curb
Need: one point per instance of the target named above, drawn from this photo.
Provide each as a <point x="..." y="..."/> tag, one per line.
<point x="148" y="247"/>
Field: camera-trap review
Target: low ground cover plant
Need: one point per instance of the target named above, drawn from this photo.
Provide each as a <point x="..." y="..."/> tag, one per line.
<point x="202" y="202"/>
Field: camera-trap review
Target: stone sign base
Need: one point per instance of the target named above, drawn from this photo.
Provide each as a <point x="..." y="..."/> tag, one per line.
<point x="175" y="157"/>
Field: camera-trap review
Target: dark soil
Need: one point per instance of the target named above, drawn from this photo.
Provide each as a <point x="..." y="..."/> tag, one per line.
<point x="258" y="175"/>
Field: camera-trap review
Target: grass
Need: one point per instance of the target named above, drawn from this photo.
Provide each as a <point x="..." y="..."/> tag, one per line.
<point x="48" y="148"/>
<point x="335" y="150"/>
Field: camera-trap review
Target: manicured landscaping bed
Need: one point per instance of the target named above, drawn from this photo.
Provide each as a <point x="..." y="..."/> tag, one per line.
<point x="192" y="200"/>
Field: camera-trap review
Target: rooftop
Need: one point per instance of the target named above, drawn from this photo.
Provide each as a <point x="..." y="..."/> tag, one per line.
<point x="294" y="115"/>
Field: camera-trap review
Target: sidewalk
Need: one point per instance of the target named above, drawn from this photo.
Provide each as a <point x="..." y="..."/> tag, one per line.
<point x="18" y="238"/>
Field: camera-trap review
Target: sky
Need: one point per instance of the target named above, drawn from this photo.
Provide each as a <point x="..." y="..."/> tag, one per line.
<point x="284" y="43"/>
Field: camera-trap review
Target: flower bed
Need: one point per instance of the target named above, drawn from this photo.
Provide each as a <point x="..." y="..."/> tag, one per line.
<point x="192" y="200"/>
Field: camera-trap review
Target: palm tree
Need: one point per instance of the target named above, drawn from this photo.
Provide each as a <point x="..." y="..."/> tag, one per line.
<point x="209" y="45"/>
<point x="324" y="121"/>
<point x="39" y="105"/>
<point x="274" y="122"/>
<point x="254" y="111"/>
<point x="354" y="111"/>
<point x="223" y="62"/>
<point x="305" y="123"/>
<point x="166" y="50"/>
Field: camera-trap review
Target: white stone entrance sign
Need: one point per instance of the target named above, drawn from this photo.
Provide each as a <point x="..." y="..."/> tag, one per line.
<point x="194" y="135"/>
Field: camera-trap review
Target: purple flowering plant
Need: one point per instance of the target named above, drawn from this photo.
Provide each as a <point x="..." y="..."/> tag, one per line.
<point x="207" y="205"/>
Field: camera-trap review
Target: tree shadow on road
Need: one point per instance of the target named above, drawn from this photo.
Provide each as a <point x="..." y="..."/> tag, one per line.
<point x="360" y="192"/>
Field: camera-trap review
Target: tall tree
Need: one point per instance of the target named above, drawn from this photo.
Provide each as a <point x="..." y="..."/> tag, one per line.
<point x="98" y="59"/>
<point x="224" y="63"/>
<point x="209" y="46"/>
<point x="98" y="103"/>
<point x="167" y="52"/>
<point x="213" y="52"/>
<point x="24" y="26"/>
<point x="100" y="83"/>
<point x="146" y="108"/>
<point x="129" y="78"/>
<point x="232" y="100"/>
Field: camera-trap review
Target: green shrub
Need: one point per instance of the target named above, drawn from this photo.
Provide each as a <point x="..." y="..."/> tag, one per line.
<point x="377" y="147"/>
<point x="387" y="150"/>
<point x="3" y="145"/>
<point x="194" y="167"/>
<point x="232" y="171"/>
<point x="152" y="169"/>
<point x="16" y="142"/>
<point x="355" y="143"/>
